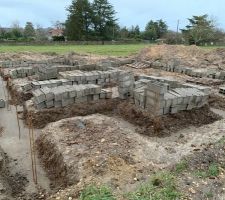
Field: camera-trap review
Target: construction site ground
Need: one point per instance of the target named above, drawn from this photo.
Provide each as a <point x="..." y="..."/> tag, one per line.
<point x="113" y="143"/>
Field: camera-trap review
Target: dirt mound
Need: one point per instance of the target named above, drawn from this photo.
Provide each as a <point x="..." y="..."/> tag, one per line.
<point x="87" y="149"/>
<point x="24" y="56"/>
<point x="189" y="56"/>
<point x="41" y="118"/>
<point x="167" y="124"/>
<point x="168" y="51"/>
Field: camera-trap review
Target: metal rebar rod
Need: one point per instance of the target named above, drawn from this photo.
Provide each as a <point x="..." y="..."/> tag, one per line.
<point x="18" y="122"/>
<point x="31" y="151"/>
<point x="34" y="152"/>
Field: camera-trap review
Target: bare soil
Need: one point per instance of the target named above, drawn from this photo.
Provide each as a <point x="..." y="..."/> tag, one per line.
<point x="217" y="101"/>
<point x="41" y="118"/>
<point x="190" y="56"/>
<point x="211" y="187"/>
<point x="166" y="124"/>
<point x="98" y="150"/>
<point x="146" y="122"/>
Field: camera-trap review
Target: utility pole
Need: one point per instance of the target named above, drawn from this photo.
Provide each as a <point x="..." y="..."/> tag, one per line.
<point x="178" y="24"/>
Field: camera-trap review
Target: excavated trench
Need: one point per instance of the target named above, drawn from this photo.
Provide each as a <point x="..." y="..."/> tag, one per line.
<point x="18" y="150"/>
<point x="18" y="176"/>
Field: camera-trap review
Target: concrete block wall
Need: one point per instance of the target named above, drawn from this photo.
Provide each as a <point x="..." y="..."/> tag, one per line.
<point x="158" y="98"/>
<point x="47" y="72"/>
<point x="30" y="63"/>
<point x="193" y="72"/>
<point x="50" y="83"/>
<point x="66" y="95"/>
<point x="172" y="83"/>
<point x="125" y="84"/>
<point x="139" y="96"/>
<point x="92" y="77"/>
<point x="21" y="72"/>
<point x="154" y="94"/>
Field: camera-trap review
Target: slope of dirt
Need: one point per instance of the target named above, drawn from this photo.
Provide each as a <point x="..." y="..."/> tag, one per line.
<point x="166" y="124"/>
<point x="24" y="56"/>
<point x="146" y="122"/>
<point x="86" y="149"/>
<point x="41" y="118"/>
<point x="217" y="101"/>
<point x="189" y="56"/>
<point x="114" y="154"/>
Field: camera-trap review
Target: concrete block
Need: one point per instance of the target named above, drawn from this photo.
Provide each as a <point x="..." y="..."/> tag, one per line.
<point x="40" y="106"/>
<point x="2" y="103"/>
<point x="102" y="95"/>
<point x="50" y="104"/>
<point x="174" y="110"/>
<point x="39" y="96"/>
<point x="57" y="104"/>
<point x="96" y="97"/>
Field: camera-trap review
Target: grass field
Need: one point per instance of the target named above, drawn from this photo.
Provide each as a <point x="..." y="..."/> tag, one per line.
<point x="112" y="50"/>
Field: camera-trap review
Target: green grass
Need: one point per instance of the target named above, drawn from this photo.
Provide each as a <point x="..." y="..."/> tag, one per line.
<point x="181" y="166"/>
<point x="211" y="47"/>
<point x="161" y="187"/>
<point x="209" y="195"/>
<point x="110" y="50"/>
<point x="212" y="171"/>
<point x="96" y="193"/>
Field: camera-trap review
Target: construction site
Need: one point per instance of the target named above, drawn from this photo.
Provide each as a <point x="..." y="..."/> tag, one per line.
<point x="74" y="120"/>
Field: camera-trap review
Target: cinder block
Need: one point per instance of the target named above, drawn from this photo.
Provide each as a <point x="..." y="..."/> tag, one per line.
<point x="41" y="105"/>
<point x="58" y="104"/>
<point x="49" y="104"/>
<point x="96" y="97"/>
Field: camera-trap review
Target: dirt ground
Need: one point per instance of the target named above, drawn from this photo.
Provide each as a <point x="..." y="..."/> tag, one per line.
<point x="146" y="123"/>
<point x="114" y="143"/>
<point x="193" y="179"/>
<point x="189" y="56"/>
<point x="107" y="150"/>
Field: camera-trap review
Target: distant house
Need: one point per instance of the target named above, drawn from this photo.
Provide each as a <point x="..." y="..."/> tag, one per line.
<point x="56" y="33"/>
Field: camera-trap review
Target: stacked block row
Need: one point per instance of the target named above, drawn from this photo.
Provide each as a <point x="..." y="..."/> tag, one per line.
<point x="160" y="98"/>
<point x="125" y="84"/>
<point x="199" y="73"/>
<point x="50" y="83"/>
<point x="66" y="95"/>
<point x="92" y="77"/>
<point x="17" y="64"/>
<point x="161" y="101"/>
<point x="21" y="72"/>
<point x="47" y="72"/>
<point x="139" y="92"/>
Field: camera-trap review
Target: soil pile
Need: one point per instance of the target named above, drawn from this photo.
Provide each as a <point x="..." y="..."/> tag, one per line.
<point x="180" y="55"/>
<point x="88" y="149"/>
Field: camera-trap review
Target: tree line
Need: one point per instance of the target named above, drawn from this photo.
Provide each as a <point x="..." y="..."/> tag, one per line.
<point x="96" y="21"/>
<point x="28" y="33"/>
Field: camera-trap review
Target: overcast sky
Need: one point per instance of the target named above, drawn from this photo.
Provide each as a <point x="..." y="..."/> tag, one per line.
<point x="129" y="12"/>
